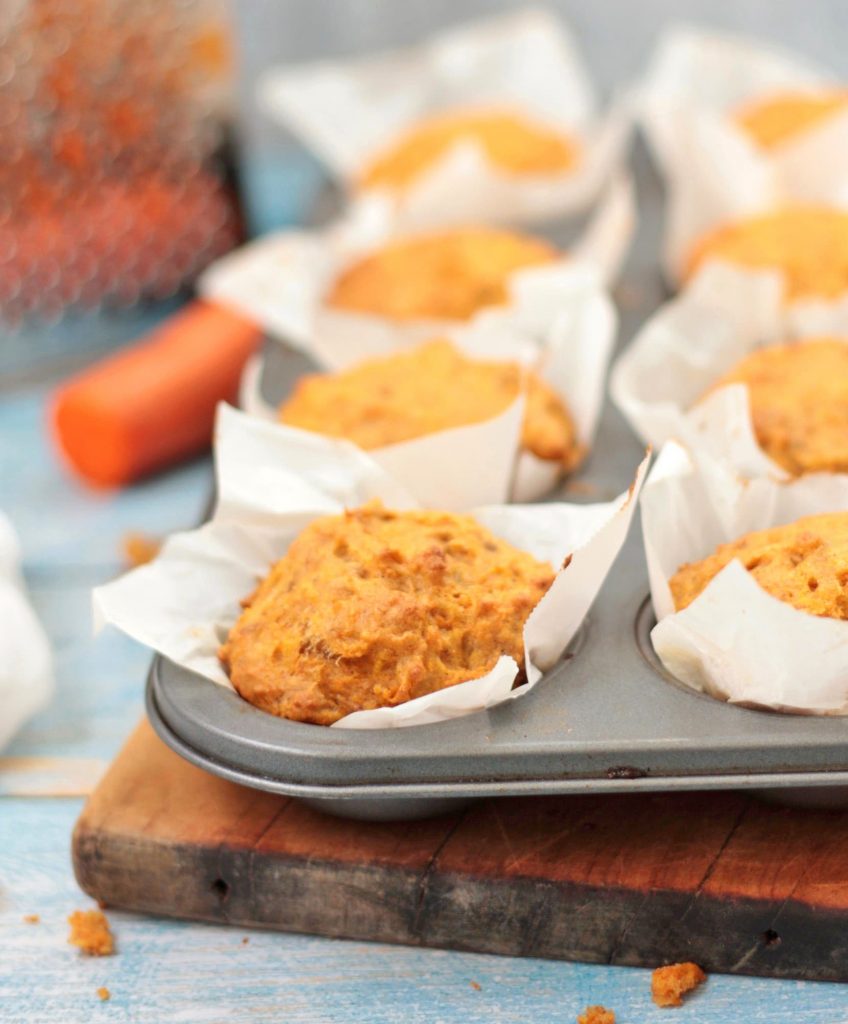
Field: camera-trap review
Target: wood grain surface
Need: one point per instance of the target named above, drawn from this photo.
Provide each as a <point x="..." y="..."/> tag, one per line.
<point x="738" y="885"/>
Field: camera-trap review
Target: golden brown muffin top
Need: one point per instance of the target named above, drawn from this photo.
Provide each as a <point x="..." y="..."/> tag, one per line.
<point x="804" y="563"/>
<point x="798" y="395"/>
<point x="515" y="143"/>
<point x="773" y="120"/>
<point x="431" y="387"/>
<point x="373" y="608"/>
<point x="447" y="275"/>
<point x="809" y="244"/>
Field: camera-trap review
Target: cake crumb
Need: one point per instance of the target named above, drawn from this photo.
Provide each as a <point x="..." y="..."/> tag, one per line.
<point x="104" y="994"/>
<point x="669" y="984"/>
<point x="139" y="549"/>
<point x="476" y="986"/>
<point x="245" y="941"/>
<point x="90" y="933"/>
<point x="32" y="918"/>
<point x="596" y="1015"/>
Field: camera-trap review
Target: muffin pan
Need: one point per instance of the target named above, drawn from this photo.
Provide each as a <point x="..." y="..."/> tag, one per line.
<point x="607" y="718"/>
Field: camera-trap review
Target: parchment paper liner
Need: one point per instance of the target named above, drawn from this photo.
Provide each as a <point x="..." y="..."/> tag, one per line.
<point x="685" y="347"/>
<point x="280" y="281"/>
<point x="570" y="349"/>
<point x="346" y="111"/>
<point x="735" y="641"/>
<point x="271" y="483"/>
<point x="714" y="172"/>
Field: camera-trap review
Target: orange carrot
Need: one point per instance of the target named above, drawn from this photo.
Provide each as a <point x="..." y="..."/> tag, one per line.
<point x="153" y="404"/>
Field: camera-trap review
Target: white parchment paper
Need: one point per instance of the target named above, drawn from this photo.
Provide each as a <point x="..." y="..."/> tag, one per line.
<point x="26" y="665"/>
<point x="273" y="482"/>
<point x="568" y="341"/>
<point x="348" y="111"/>
<point x="735" y="641"/>
<point x="692" y="341"/>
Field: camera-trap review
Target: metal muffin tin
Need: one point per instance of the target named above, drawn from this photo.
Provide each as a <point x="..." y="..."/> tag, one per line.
<point x="608" y="718"/>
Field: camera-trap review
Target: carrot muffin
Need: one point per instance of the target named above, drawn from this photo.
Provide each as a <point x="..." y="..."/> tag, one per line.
<point x="804" y="563"/>
<point x="445" y="275"/>
<point x="373" y="608"/>
<point x="809" y="244"/>
<point x="430" y="388"/>
<point x="513" y="142"/>
<point x="669" y="984"/>
<point x="798" y="395"/>
<point x="774" y="120"/>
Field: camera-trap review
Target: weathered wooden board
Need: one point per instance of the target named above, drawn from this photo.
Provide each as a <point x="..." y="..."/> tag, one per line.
<point x="738" y="885"/>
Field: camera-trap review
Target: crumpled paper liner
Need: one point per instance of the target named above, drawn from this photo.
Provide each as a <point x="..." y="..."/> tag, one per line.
<point x="271" y="484"/>
<point x="690" y="342"/>
<point x="280" y="280"/>
<point x="26" y="664"/>
<point x="570" y="348"/>
<point x="346" y="111"/>
<point x="735" y="641"/>
<point x="714" y="172"/>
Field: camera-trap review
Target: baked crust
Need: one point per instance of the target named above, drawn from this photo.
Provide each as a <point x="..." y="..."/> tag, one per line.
<point x="513" y="142"/>
<point x="432" y="387"/>
<point x="773" y="120"/>
<point x="804" y="563"/>
<point x="798" y="395"/>
<point x="373" y="608"/>
<point x="447" y="275"/>
<point x="809" y="244"/>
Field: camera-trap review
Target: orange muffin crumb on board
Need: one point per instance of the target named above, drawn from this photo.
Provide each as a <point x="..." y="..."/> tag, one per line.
<point x="373" y="608"/>
<point x="512" y="141"/>
<point x="31" y="918"/>
<point x="445" y="275"/>
<point x="798" y="395"/>
<point x="90" y="933"/>
<point x="804" y="563"/>
<point x="104" y="994"/>
<point x="776" y="119"/>
<point x="432" y="387"/>
<point x="807" y="243"/>
<point x="476" y="986"/>
<point x="669" y="984"/>
<point x="596" y="1015"/>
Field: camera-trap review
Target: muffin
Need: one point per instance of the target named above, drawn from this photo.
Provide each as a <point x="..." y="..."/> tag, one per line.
<point x="373" y="608"/>
<point x="432" y="387"/>
<point x="798" y="395"/>
<point x="804" y="563"/>
<point x="771" y="121"/>
<point x="512" y="142"/>
<point x="448" y="275"/>
<point x="809" y="244"/>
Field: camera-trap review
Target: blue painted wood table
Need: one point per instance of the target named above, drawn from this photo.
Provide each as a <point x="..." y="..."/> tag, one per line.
<point x="169" y="971"/>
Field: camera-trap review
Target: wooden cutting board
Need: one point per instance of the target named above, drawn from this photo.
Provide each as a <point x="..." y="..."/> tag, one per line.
<point x="737" y="885"/>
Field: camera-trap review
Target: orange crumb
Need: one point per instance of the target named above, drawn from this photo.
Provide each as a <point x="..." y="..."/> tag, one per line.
<point x="669" y="984"/>
<point x="90" y="933"/>
<point x="476" y="986"/>
<point x="139" y="548"/>
<point x="245" y="941"/>
<point x="104" y="994"/>
<point x="31" y="918"/>
<point x="596" y="1015"/>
